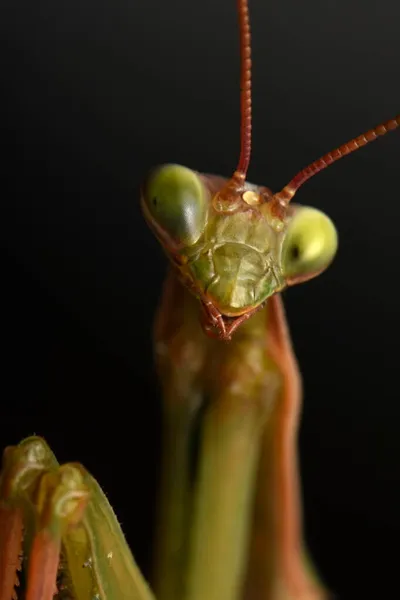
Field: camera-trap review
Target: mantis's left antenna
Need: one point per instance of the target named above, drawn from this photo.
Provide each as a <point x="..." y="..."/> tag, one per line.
<point x="245" y="90"/>
<point x="285" y="195"/>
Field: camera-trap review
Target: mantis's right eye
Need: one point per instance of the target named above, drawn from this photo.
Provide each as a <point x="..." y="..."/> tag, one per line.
<point x="175" y="201"/>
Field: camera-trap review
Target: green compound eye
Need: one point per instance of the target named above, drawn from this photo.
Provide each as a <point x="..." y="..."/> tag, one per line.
<point x="177" y="203"/>
<point x="310" y="244"/>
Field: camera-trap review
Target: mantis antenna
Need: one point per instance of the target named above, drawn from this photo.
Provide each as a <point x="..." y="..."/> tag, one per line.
<point x="315" y="167"/>
<point x="245" y="90"/>
<point x="286" y="194"/>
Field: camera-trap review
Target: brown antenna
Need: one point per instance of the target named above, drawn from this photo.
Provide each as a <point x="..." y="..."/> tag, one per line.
<point x="315" y="167"/>
<point x="245" y="90"/>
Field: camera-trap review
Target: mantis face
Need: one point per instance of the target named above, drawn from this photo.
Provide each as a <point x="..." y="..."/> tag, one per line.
<point x="234" y="258"/>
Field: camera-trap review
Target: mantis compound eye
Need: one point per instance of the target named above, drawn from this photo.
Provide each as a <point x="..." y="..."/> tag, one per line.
<point x="175" y="202"/>
<point x="309" y="246"/>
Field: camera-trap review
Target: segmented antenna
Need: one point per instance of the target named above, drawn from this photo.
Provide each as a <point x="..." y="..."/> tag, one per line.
<point x="245" y="89"/>
<point x="315" y="167"/>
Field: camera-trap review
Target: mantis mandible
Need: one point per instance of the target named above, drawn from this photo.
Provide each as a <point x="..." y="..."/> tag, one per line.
<point x="229" y="524"/>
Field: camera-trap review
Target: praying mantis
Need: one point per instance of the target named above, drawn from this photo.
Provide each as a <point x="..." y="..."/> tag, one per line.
<point x="229" y="526"/>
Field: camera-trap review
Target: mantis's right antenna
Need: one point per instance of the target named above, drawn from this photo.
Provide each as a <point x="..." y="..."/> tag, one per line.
<point x="315" y="167"/>
<point x="245" y="90"/>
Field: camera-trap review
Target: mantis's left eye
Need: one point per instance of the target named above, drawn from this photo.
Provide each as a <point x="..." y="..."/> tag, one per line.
<point x="176" y="203"/>
<point x="310" y="245"/>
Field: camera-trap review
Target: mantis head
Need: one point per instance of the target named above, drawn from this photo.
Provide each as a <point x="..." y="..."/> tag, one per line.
<point x="195" y="215"/>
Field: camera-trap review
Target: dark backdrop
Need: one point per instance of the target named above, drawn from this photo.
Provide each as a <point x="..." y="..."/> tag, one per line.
<point x="93" y="94"/>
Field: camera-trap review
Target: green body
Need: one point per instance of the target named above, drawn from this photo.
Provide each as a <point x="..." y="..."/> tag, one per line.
<point x="221" y="533"/>
<point x="230" y="417"/>
<point x="230" y="406"/>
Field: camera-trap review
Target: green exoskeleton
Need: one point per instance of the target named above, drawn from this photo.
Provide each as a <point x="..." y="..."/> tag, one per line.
<point x="229" y="525"/>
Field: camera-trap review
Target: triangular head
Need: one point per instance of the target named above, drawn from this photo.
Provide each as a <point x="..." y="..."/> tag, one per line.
<point x="233" y="257"/>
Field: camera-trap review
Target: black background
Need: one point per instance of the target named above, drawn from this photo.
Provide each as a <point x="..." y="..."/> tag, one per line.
<point x="95" y="93"/>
